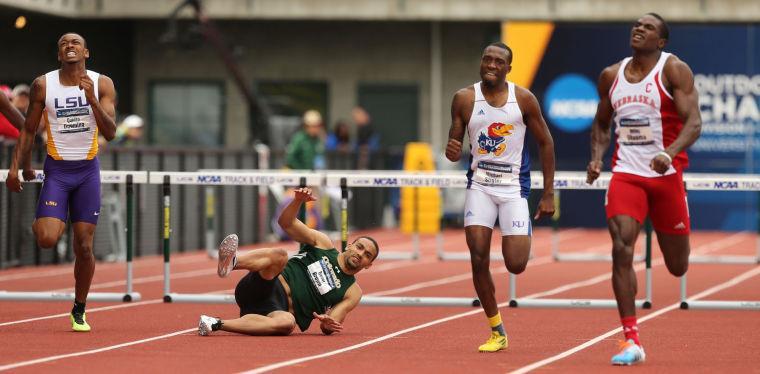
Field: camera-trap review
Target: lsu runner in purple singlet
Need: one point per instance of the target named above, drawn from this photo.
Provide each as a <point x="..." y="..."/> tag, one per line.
<point x="75" y="104"/>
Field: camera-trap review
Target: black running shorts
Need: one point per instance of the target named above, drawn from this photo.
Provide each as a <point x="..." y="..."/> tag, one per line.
<point x="256" y="295"/>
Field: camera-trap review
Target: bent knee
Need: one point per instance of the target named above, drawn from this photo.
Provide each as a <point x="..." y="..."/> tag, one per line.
<point x="47" y="240"/>
<point x="280" y="257"/>
<point x="678" y="270"/>
<point x="517" y="268"/>
<point x="285" y="324"/>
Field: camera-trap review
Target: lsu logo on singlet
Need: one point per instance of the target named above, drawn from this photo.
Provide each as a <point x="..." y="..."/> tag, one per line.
<point x="493" y="138"/>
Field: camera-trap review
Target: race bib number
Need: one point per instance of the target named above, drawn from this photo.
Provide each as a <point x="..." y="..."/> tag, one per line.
<point x="492" y="174"/>
<point x="321" y="276"/>
<point x="635" y="131"/>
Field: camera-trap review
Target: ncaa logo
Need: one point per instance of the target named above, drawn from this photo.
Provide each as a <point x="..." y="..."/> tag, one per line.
<point x="570" y="102"/>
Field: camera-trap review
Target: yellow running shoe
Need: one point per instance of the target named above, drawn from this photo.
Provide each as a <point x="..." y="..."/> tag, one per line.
<point x="79" y="322"/>
<point x="495" y="343"/>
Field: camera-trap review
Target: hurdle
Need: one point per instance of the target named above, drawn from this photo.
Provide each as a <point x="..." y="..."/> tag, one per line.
<point x="345" y="181"/>
<point x="722" y="182"/>
<point x="129" y="178"/>
<point x="646" y="303"/>
<point x="248" y="178"/>
<point x="577" y="181"/>
<point x="395" y="179"/>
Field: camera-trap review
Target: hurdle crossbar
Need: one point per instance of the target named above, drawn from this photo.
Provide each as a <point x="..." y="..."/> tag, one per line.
<point x="722" y="182"/>
<point x="395" y="179"/>
<point x="343" y="182"/>
<point x="241" y="178"/>
<point x="646" y="303"/>
<point x="129" y="178"/>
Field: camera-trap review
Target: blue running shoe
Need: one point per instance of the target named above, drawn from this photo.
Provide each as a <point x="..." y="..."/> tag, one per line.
<point x="630" y="353"/>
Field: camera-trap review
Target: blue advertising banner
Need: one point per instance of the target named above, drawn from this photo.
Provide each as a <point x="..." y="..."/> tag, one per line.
<point x="724" y="59"/>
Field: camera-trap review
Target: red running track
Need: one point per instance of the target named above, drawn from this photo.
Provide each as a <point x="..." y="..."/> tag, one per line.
<point x="151" y="336"/>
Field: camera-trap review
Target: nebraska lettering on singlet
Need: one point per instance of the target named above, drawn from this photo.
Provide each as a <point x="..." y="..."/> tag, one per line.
<point x="642" y="99"/>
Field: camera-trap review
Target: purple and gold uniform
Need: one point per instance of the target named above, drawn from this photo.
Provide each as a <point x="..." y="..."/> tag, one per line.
<point x="72" y="170"/>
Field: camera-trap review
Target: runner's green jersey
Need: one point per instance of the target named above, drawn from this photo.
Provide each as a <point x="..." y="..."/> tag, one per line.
<point x="316" y="282"/>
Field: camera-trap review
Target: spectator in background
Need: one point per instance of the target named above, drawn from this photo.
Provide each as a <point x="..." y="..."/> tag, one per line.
<point x="306" y="148"/>
<point x="21" y="102"/>
<point x="130" y="131"/>
<point x="367" y="140"/>
<point x="20" y="97"/>
<point x="340" y="138"/>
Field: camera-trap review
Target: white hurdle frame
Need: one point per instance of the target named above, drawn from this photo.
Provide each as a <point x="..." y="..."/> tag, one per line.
<point x="563" y="180"/>
<point x="106" y="177"/>
<point x="395" y="179"/>
<point x="227" y="178"/>
<point x="722" y="182"/>
<point x="344" y="181"/>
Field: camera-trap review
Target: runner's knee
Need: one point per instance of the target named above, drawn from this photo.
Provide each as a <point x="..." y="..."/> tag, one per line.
<point x="516" y="267"/>
<point x="83" y="248"/>
<point x="47" y="240"/>
<point x="678" y="269"/>
<point x="285" y="324"/>
<point x="480" y="262"/>
<point x="622" y="254"/>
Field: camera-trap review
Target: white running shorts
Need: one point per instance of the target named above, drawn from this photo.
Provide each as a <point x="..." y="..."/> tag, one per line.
<point x="482" y="209"/>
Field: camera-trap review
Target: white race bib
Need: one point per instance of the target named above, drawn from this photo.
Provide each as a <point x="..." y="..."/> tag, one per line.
<point x="635" y="131"/>
<point x="320" y="278"/>
<point x="492" y="174"/>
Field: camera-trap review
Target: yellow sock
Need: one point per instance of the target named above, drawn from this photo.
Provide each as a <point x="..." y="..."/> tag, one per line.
<point x="496" y="324"/>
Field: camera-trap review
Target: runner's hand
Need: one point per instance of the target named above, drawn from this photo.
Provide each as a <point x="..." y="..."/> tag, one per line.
<point x="12" y="181"/>
<point x="545" y="206"/>
<point x="304" y="194"/>
<point x="328" y="323"/>
<point x="86" y="84"/>
<point x="660" y="163"/>
<point x="593" y="170"/>
<point x="29" y="174"/>
<point x="454" y="150"/>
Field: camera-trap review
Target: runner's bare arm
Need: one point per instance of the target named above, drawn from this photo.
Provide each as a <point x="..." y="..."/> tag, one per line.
<point x="461" y="104"/>
<point x="679" y="77"/>
<point x="10" y="112"/>
<point x="535" y="122"/>
<point x="23" y="151"/>
<point x="298" y="230"/>
<point x="600" y="127"/>
<point x="332" y="321"/>
<point x="103" y="107"/>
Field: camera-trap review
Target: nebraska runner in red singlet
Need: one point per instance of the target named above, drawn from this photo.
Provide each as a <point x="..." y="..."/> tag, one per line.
<point x="652" y="101"/>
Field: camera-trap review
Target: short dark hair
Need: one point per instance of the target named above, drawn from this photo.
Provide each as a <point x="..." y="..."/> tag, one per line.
<point x="74" y="33"/>
<point x="664" y="29"/>
<point x="502" y="46"/>
<point x="377" y="247"/>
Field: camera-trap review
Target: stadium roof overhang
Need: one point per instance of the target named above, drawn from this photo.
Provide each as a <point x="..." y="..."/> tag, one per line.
<point x="407" y="10"/>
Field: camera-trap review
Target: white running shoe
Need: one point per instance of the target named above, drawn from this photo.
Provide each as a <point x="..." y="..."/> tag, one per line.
<point x="630" y="354"/>
<point x="227" y="253"/>
<point x="205" y="325"/>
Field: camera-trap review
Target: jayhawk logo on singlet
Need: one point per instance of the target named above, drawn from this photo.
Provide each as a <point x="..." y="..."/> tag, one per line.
<point x="491" y="139"/>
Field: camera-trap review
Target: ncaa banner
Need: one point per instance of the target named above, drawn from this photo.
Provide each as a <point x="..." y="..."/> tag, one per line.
<point x="561" y="62"/>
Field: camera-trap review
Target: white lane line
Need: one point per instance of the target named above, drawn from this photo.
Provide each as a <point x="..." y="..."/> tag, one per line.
<point x="730" y="283"/>
<point x="600" y="278"/>
<point x="708" y="248"/>
<point x="93" y="351"/>
<point x="500" y="269"/>
<point x="187" y="274"/>
<point x="104" y="266"/>
<point x="145" y="302"/>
